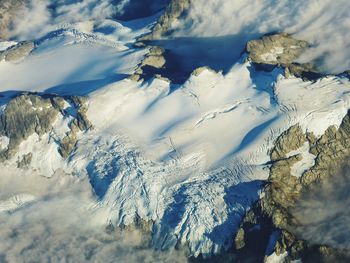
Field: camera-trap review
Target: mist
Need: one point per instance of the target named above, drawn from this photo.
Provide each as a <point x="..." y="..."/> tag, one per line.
<point x="323" y="212"/>
<point x="34" y="18"/>
<point x="65" y="224"/>
<point x="324" y="24"/>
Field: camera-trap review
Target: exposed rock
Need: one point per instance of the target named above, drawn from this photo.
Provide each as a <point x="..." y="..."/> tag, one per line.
<point x="198" y="71"/>
<point x="151" y="65"/>
<point x="25" y="161"/>
<point x="24" y="116"/>
<point x="284" y="190"/>
<point x="330" y="150"/>
<point x="29" y="114"/>
<point x="18" y="52"/>
<point x="139" y="224"/>
<point x="173" y="11"/>
<point x="278" y="49"/>
<point x="281" y="50"/>
<point x="81" y="120"/>
<point x="239" y="239"/>
<point x="80" y="123"/>
<point x="8" y="10"/>
<point x="67" y="144"/>
<point x="290" y="140"/>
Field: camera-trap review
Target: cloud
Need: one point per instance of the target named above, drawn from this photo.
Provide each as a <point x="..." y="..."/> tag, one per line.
<point x="36" y="17"/>
<point x="323" y="212"/>
<point x="65" y="225"/>
<point x="325" y="24"/>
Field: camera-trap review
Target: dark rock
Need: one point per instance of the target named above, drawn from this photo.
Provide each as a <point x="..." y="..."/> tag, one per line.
<point x="25" y="161"/>
<point x="24" y="116"/>
<point x="281" y="50"/>
<point x="17" y="52"/>
<point x="173" y="11"/>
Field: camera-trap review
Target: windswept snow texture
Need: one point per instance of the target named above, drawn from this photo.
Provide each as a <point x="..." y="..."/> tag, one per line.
<point x="325" y="24"/>
<point x="191" y="158"/>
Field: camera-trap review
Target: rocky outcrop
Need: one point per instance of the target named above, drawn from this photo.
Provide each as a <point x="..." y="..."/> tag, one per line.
<point x="281" y="50"/>
<point x="278" y="49"/>
<point x="152" y="64"/>
<point x="273" y="212"/>
<point x="80" y="123"/>
<point x="173" y="11"/>
<point x="25" y="161"/>
<point x="290" y="140"/>
<point x="8" y="10"/>
<point x="17" y="52"/>
<point x="29" y="114"/>
<point x="24" y="116"/>
<point x="199" y="70"/>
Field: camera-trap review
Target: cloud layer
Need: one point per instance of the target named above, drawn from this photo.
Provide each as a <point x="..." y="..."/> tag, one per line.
<point x="324" y="23"/>
<point x="323" y="213"/>
<point x="65" y="225"/>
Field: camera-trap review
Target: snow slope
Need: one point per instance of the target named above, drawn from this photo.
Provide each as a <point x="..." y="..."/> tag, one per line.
<point x="191" y="158"/>
<point x="207" y="140"/>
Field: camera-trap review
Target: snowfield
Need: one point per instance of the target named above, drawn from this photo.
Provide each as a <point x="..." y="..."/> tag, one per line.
<point x="192" y="157"/>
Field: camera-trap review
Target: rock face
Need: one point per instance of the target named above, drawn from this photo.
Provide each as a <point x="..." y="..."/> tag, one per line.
<point x="80" y="123"/>
<point x="28" y="114"/>
<point x="26" y="160"/>
<point x="281" y="50"/>
<point x="173" y="11"/>
<point x="151" y="65"/>
<point x="272" y="212"/>
<point x="8" y="9"/>
<point x="18" y="52"/>
<point x="23" y="116"/>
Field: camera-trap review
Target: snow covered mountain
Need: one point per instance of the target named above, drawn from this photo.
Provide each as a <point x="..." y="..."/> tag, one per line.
<point x="173" y="131"/>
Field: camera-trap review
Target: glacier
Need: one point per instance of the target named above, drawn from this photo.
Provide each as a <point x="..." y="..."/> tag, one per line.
<point x="191" y="157"/>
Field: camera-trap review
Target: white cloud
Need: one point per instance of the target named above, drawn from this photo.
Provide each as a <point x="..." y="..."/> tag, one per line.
<point x="324" y="23"/>
<point x="323" y="213"/>
<point x="38" y="17"/>
<point x="64" y="225"/>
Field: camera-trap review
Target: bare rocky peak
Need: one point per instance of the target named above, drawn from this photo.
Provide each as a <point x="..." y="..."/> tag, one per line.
<point x="28" y="114"/>
<point x="8" y="10"/>
<point x="151" y="65"/>
<point x="17" y="52"/>
<point x="278" y="49"/>
<point x="173" y="11"/>
<point x="283" y="190"/>
<point x="281" y="50"/>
